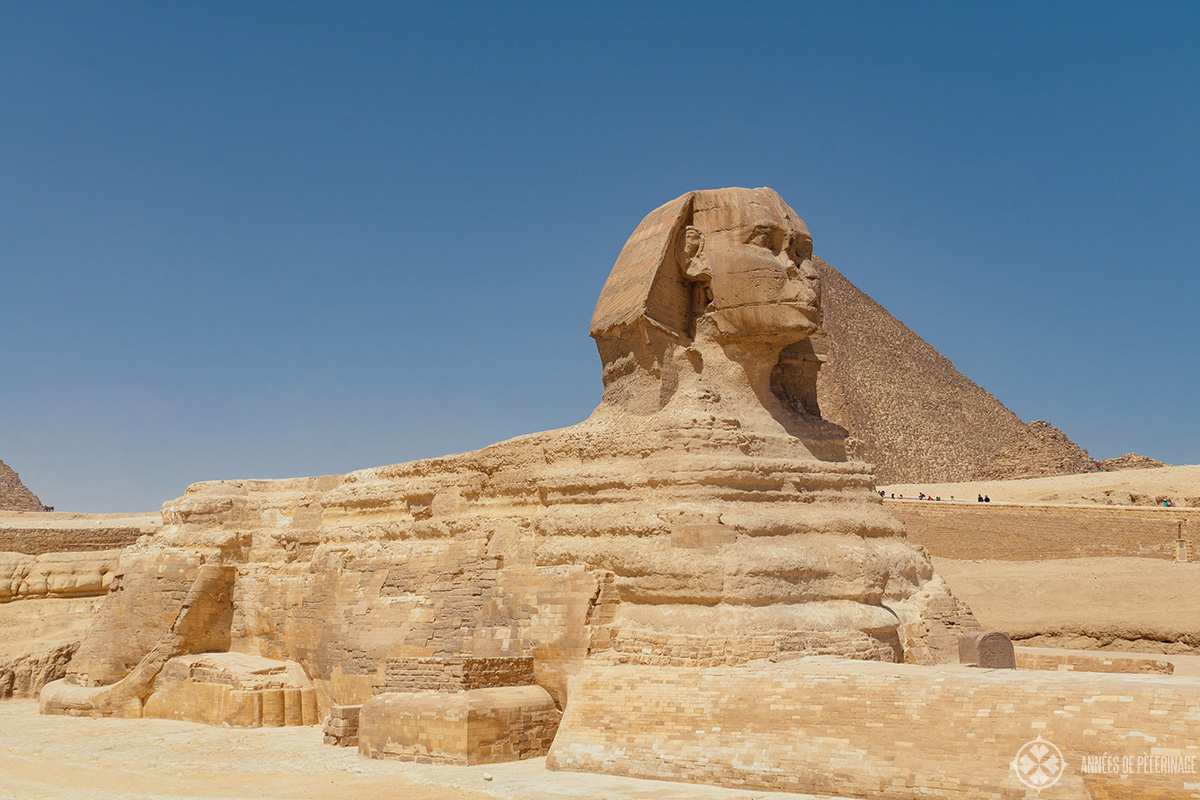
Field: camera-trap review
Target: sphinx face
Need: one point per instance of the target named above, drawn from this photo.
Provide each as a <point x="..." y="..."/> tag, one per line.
<point x="759" y="254"/>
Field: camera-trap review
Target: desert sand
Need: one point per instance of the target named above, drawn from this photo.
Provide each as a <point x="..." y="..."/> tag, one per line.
<point x="65" y="758"/>
<point x="1127" y="487"/>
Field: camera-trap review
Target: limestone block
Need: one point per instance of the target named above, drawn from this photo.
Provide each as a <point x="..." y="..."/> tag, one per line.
<point x="481" y="726"/>
<point x="233" y="689"/>
<point x="341" y="726"/>
<point x="987" y="649"/>
<point x="705" y="513"/>
<point x="66" y="574"/>
<point x="199" y="602"/>
<point x="831" y="727"/>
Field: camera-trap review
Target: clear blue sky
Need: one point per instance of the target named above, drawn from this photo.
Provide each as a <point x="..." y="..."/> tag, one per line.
<point x="273" y="240"/>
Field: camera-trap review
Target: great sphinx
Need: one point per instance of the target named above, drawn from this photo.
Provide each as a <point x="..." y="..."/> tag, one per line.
<point x="704" y="514"/>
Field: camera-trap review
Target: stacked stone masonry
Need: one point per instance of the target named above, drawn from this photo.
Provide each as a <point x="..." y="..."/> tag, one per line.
<point x="456" y="674"/>
<point x="63" y="538"/>
<point x="14" y="495"/>
<point x="1005" y="532"/>
<point x="1077" y="662"/>
<point x="341" y="726"/>
<point x="875" y="730"/>
<point x="480" y="726"/>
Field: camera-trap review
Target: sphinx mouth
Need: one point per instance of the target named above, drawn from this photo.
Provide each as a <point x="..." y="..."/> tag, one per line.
<point x="802" y="305"/>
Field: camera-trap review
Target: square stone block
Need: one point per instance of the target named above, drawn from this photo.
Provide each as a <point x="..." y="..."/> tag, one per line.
<point x="480" y="726"/>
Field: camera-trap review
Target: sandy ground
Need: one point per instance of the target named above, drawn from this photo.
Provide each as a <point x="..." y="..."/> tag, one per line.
<point x="66" y="758"/>
<point x="1181" y="484"/>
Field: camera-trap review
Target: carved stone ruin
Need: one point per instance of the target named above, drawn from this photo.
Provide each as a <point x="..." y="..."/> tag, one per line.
<point x="703" y="515"/>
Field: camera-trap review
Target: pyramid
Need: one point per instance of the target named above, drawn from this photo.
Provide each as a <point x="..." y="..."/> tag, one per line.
<point x="919" y="418"/>
<point x="13" y="494"/>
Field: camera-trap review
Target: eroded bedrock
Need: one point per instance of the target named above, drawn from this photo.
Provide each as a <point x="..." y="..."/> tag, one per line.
<point x="704" y="514"/>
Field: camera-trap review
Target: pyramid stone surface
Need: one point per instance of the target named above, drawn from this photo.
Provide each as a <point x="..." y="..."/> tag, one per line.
<point x="13" y="494"/>
<point x="919" y="418"/>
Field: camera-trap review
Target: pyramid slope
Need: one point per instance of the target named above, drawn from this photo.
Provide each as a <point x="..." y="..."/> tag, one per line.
<point x="919" y="418"/>
<point x="13" y="494"/>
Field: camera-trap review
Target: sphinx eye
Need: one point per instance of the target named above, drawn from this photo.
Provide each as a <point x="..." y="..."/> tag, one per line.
<point x="762" y="237"/>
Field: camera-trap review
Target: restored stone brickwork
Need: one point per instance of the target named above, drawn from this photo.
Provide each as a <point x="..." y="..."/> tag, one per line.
<point x="977" y="531"/>
<point x="233" y="689"/>
<point x="14" y="496"/>
<point x="38" y="534"/>
<point x="341" y="726"/>
<point x="481" y="726"/>
<point x="874" y="730"/>
<point x="455" y="674"/>
<point x="1068" y="662"/>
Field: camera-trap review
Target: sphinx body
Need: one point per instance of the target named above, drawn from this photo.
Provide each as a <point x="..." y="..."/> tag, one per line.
<point x="704" y="514"/>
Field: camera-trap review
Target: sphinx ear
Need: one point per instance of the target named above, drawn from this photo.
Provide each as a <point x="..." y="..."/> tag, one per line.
<point x="692" y="262"/>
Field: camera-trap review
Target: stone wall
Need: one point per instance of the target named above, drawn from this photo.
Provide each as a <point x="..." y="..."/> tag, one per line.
<point x="1009" y="532"/>
<point x="480" y="726"/>
<point x="456" y="674"/>
<point x="36" y="534"/>
<point x="869" y="729"/>
<point x="1078" y="662"/>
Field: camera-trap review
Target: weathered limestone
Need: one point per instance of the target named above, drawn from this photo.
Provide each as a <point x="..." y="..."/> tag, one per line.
<point x="163" y="604"/>
<point x="340" y="726"/>
<point x="479" y="726"/>
<point x="14" y="496"/>
<point x="987" y="649"/>
<point x="68" y="574"/>
<point x="875" y="730"/>
<point x="233" y="689"/>
<point x="705" y="514"/>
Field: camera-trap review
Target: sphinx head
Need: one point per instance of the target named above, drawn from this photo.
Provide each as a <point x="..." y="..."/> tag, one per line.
<point x="748" y="260"/>
<point x="727" y="268"/>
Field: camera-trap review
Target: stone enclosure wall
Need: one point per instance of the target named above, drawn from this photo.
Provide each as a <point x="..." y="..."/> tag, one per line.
<point x="36" y="534"/>
<point x="1005" y="532"/>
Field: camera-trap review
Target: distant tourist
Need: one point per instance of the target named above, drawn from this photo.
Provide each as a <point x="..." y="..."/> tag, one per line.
<point x="987" y="499"/>
<point x="921" y="496"/>
<point x="1097" y="466"/>
<point x="981" y="498"/>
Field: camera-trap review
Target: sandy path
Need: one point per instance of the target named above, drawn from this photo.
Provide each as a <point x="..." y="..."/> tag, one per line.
<point x="1178" y="483"/>
<point x="65" y="758"/>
